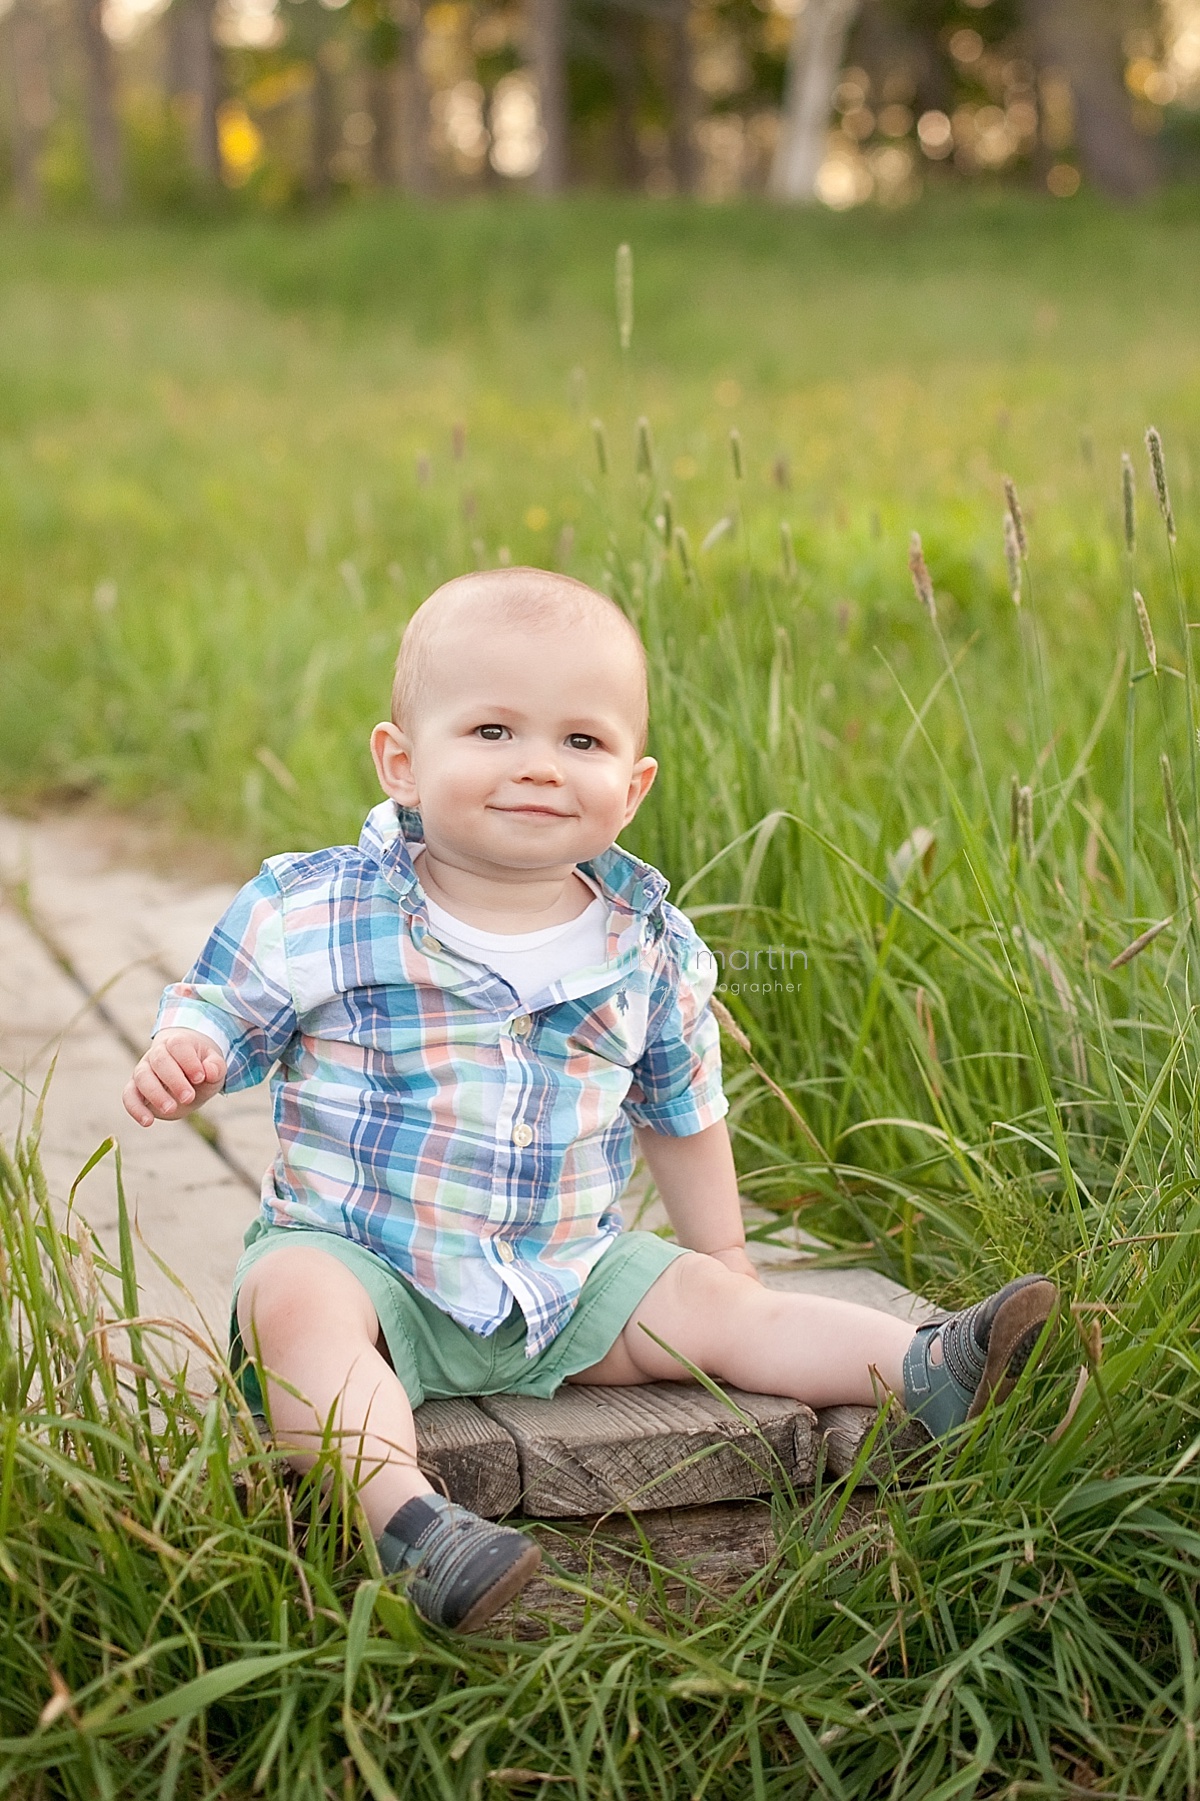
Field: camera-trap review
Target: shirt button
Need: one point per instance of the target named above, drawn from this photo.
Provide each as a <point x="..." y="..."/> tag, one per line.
<point x="522" y="1135"/>
<point x="431" y="945"/>
<point x="504" y="1250"/>
<point x="521" y="1026"/>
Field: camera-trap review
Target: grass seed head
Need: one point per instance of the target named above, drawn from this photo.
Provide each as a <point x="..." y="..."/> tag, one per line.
<point x="1158" y="469"/>
<point x="922" y="580"/>
<point x="1018" y="517"/>
<point x="684" y="552"/>
<point x="1025" y="821"/>
<point x="787" y="549"/>
<point x="1129" y="501"/>
<point x="624" y="295"/>
<point x="601" y="440"/>
<point x="724" y="526"/>
<point x="1147" y="631"/>
<point x="645" y="447"/>
<point x="735" y="451"/>
<point x="1012" y="556"/>
<point x="666" y="519"/>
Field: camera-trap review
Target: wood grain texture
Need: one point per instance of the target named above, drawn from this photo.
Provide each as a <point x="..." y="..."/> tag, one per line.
<point x="472" y="1456"/>
<point x="656" y="1445"/>
<point x="693" y="1559"/>
<point x="901" y="1441"/>
<point x="695" y="1556"/>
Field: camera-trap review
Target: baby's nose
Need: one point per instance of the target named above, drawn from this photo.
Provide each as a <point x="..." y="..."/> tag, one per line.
<point x="541" y="766"/>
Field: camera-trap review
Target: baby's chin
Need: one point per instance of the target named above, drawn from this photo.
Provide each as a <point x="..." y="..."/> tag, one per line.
<point x="521" y="846"/>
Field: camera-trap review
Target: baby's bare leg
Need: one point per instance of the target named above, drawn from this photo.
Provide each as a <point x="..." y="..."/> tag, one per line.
<point x="312" y="1323"/>
<point x="817" y="1350"/>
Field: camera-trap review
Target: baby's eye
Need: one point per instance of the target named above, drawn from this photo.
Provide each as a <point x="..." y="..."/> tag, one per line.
<point x="581" y="740"/>
<point x="492" y="733"/>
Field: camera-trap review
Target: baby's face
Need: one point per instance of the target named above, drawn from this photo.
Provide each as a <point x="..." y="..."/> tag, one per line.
<point x="524" y="752"/>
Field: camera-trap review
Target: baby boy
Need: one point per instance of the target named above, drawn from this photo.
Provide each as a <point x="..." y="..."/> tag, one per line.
<point x="472" y="1019"/>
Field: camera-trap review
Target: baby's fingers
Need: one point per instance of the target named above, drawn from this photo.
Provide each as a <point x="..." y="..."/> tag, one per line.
<point x="135" y="1106"/>
<point x="165" y="1064"/>
<point x="154" y="1093"/>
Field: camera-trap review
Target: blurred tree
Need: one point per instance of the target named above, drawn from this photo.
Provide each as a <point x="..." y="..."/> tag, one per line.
<point x="316" y="34"/>
<point x="382" y="42"/>
<point x="413" y="146"/>
<point x="326" y="123"/>
<point x="100" y="111"/>
<point x="548" y="27"/>
<point x="26" y="56"/>
<point x="1082" y="40"/>
<point x="683" y="96"/>
<point x="193" y="81"/>
<point x="815" y="60"/>
<point x="625" y="57"/>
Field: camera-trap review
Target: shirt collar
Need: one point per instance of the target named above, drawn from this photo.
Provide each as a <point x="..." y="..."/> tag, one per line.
<point x="390" y="833"/>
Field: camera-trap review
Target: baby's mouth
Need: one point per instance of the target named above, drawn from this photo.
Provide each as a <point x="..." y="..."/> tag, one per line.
<point x="533" y="812"/>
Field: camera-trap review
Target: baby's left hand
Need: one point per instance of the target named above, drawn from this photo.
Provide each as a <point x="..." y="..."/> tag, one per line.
<point x="737" y="1260"/>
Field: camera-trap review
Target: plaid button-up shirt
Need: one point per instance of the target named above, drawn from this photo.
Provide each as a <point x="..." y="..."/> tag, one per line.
<point x="479" y="1145"/>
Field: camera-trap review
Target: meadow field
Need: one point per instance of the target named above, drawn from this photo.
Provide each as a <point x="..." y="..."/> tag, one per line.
<point x="232" y="461"/>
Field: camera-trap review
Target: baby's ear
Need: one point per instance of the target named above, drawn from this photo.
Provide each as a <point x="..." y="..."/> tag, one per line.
<point x="392" y="752"/>
<point x="641" y="781"/>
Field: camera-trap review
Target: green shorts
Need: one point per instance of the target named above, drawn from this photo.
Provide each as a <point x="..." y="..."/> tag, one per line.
<point x="433" y="1355"/>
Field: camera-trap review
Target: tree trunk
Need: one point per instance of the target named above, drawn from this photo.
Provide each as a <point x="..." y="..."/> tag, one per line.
<point x="814" y="63"/>
<point x="684" y="96"/>
<point x="193" y="77"/>
<point x="1081" y="39"/>
<point x="550" y="71"/>
<point x="326" y="136"/>
<point x="626" y="66"/>
<point x="104" y="138"/>
<point x="31" y="103"/>
<point x="412" y="136"/>
<point x="382" y="85"/>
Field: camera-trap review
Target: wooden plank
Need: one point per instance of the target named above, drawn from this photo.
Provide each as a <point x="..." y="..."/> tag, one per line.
<point x="696" y="1556"/>
<point x="654" y="1445"/>
<point x="901" y="1441"/>
<point x="472" y="1456"/>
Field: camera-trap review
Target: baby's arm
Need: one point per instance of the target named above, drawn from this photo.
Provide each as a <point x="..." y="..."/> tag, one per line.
<point x="698" y="1183"/>
<point x="181" y="1070"/>
<point x="229" y="1020"/>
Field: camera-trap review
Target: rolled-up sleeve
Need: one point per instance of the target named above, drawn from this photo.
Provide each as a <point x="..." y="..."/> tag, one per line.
<point x="676" y="1086"/>
<point x="237" y="992"/>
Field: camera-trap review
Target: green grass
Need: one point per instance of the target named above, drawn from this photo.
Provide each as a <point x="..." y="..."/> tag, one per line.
<point x="224" y="429"/>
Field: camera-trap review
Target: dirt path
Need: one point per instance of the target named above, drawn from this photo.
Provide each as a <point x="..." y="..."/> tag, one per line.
<point x="87" y="941"/>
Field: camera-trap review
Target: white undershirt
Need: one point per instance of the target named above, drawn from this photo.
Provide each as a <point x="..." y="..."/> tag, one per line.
<point x="530" y="961"/>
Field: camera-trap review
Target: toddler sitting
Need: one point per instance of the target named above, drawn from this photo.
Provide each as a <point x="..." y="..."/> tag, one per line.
<point x="471" y="1019"/>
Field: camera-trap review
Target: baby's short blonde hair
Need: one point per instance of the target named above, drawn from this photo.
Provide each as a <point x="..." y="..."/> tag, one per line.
<point x="517" y="597"/>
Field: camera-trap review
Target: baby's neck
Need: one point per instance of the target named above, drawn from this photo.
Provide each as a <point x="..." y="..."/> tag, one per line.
<point x="516" y="901"/>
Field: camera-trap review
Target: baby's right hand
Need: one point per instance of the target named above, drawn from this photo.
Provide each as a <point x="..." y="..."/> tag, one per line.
<point x="179" y="1072"/>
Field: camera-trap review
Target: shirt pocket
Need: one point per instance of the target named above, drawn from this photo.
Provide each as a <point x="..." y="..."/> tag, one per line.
<point x="615" y="1030"/>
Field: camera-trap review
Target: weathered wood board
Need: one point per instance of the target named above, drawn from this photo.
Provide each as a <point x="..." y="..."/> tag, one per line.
<point x="470" y="1456"/>
<point x="643" y="1450"/>
<point x="901" y="1441"/>
<point x="636" y="1449"/>
<point x="696" y="1553"/>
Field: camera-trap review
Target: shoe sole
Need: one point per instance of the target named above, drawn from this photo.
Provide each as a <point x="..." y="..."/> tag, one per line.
<point x="510" y="1583"/>
<point x="1018" y="1325"/>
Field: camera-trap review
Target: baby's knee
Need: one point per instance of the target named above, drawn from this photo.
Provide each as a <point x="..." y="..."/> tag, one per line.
<point x="705" y="1288"/>
<point x="292" y="1291"/>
